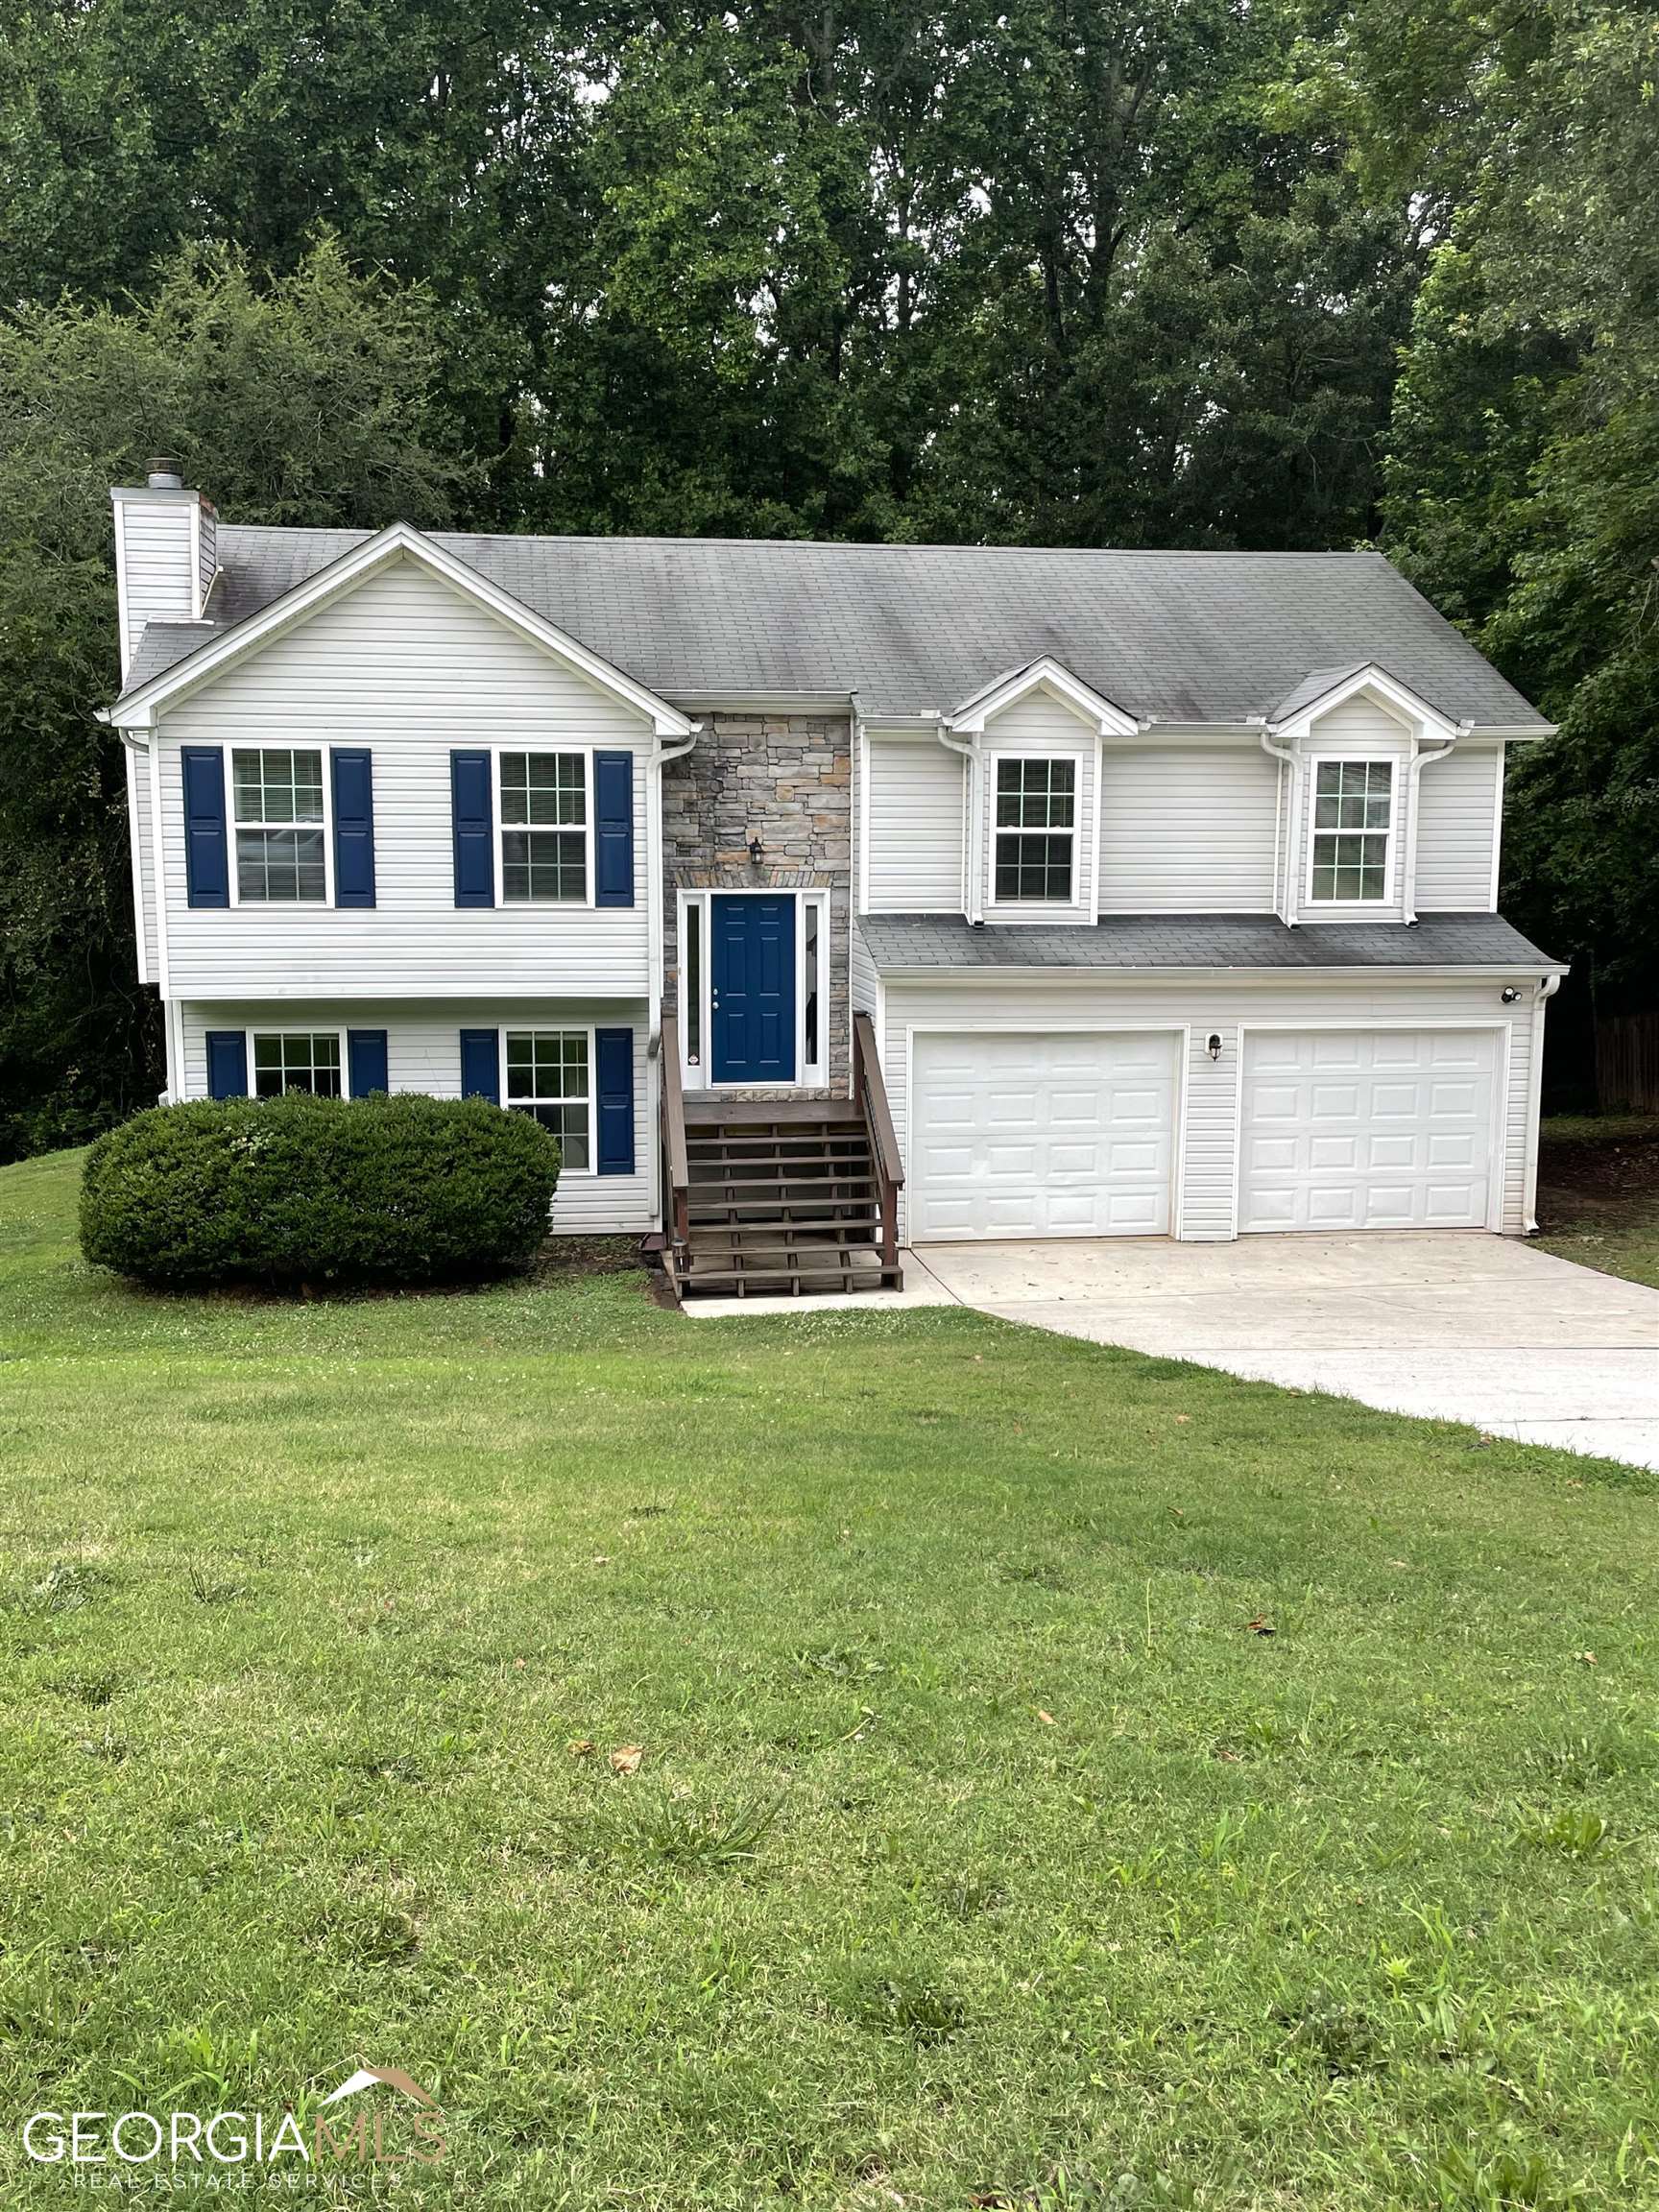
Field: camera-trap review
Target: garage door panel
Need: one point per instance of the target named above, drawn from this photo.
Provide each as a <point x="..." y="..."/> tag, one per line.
<point x="1070" y="1135"/>
<point x="1403" y="1141"/>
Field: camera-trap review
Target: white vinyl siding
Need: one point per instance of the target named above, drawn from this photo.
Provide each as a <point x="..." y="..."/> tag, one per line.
<point x="865" y="986"/>
<point x="913" y="822"/>
<point x="1359" y="730"/>
<point x="1187" y="830"/>
<point x="1039" y="727"/>
<point x="158" y="565"/>
<point x="424" y="1053"/>
<point x="407" y="667"/>
<point x="1208" y="1145"/>
<point x="1457" y="829"/>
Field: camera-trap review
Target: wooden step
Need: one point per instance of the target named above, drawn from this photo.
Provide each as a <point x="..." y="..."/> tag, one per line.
<point x="807" y="1283"/>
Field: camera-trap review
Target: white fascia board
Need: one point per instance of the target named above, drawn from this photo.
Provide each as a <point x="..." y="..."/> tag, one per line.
<point x="1407" y="703"/>
<point x="1047" y="674"/>
<point x="765" y="702"/>
<point x="397" y="541"/>
<point x="1252" y="978"/>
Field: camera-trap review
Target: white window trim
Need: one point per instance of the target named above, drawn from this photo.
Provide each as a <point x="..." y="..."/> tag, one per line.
<point x="298" y="1029"/>
<point x="325" y="748"/>
<point x="1056" y="907"/>
<point x="1373" y="907"/>
<point x="582" y="749"/>
<point x="554" y="1029"/>
<point x="809" y="1074"/>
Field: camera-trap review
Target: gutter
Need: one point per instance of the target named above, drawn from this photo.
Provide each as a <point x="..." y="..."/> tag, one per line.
<point x="663" y="751"/>
<point x="972" y="871"/>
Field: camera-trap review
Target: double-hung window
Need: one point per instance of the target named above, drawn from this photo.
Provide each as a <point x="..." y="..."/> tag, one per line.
<point x="281" y="843"/>
<point x="550" y="1075"/>
<point x="544" y="825"/>
<point x="1353" y="820"/>
<point x="1036" y="830"/>
<point x="289" y="1060"/>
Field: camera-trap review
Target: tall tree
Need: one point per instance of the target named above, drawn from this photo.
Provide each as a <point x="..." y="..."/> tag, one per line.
<point x="312" y="400"/>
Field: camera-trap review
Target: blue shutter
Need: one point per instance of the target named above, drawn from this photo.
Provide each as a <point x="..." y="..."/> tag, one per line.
<point x="613" y="1074"/>
<point x="481" y="1065"/>
<point x="474" y="829"/>
<point x="227" y="1064"/>
<point x="207" y="865"/>
<point x="366" y="1061"/>
<point x="613" y="828"/>
<point x="353" y="830"/>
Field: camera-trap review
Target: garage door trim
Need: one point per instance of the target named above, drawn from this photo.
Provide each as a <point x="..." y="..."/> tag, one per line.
<point x="1089" y="1025"/>
<point x="1498" y="1134"/>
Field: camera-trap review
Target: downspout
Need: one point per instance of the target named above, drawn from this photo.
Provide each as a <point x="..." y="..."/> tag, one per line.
<point x="1419" y="761"/>
<point x="1548" y="986"/>
<point x="662" y="753"/>
<point x="656" y="761"/>
<point x="972" y="871"/>
<point x="1286" y="755"/>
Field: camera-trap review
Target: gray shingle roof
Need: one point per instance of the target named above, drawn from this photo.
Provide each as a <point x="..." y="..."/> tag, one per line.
<point x="1182" y="637"/>
<point x="910" y="941"/>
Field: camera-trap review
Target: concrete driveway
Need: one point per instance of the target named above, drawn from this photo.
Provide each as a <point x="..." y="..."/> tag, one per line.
<point x="1456" y="1325"/>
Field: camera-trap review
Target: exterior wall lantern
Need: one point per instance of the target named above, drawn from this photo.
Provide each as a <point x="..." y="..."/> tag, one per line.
<point x="1213" y="1047"/>
<point x="757" y="851"/>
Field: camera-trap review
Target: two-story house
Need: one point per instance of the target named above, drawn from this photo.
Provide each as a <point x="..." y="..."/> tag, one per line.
<point x="823" y="897"/>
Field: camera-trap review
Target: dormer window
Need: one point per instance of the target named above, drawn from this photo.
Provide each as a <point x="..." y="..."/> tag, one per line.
<point x="1353" y="823"/>
<point x="1036" y="831"/>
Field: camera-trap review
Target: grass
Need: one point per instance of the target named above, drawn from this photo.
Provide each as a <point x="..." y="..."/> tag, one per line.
<point x="1599" y="1192"/>
<point x="983" y="1846"/>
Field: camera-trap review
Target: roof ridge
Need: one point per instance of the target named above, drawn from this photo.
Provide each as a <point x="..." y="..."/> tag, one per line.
<point x="840" y="545"/>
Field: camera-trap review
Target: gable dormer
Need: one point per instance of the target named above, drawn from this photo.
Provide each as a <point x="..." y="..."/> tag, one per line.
<point x="1032" y="738"/>
<point x="1354" y="744"/>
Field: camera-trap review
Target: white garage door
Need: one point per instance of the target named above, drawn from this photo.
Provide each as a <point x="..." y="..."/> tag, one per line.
<point x="1367" y="1129"/>
<point x="1028" y="1136"/>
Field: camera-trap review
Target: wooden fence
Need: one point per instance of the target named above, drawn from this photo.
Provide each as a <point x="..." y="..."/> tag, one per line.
<point x="1628" y="1063"/>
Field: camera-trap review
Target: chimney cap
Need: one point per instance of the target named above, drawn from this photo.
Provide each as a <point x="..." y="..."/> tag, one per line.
<point x="165" y="473"/>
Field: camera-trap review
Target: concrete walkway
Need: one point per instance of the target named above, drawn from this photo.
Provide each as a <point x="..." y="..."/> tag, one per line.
<point x="1456" y="1325"/>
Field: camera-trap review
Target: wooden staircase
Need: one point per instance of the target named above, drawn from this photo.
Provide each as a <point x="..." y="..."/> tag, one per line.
<point x="779" y="1198"/>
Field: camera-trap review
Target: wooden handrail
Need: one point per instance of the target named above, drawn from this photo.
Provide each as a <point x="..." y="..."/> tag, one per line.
<point x="671" y="1126"/>
<point x="872" y="1095"/>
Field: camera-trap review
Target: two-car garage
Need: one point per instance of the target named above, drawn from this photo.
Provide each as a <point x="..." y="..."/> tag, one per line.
<point x="1087" y="1132"/>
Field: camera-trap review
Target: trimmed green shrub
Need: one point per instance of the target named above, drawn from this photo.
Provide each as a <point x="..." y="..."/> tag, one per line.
<point x="302" y="1190"/>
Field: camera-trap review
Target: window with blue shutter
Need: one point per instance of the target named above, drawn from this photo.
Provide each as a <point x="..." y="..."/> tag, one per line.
<point x="613" y="828"/>
<point x="354" y="829"/>
<point x="206" y="864"/>
<point x="481" y="1065"/>
<point x="227" y="1064"/>
<point x="474" y="829"/>
<point x="614" y="1078"/>
<point x="366" y="1061"/>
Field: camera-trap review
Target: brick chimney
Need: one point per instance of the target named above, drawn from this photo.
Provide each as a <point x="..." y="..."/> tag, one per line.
<point x="164" y="552"/>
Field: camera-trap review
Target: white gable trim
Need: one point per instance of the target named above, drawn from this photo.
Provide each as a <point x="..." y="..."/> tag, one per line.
<point x="1046" y="674"/>
<point x="399" y="541"/>
<point x="1404" y="705"/>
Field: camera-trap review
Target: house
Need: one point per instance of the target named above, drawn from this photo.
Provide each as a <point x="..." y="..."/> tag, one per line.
<point x="824" y="898"/>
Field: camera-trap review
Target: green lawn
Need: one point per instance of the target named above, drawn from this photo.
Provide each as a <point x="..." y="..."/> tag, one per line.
<point x="982" y="1851"/>
<point x="1599" y="1192"/>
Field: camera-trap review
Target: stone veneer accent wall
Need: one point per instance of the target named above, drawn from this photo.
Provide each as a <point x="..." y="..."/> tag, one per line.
<point x="786" y="778"/>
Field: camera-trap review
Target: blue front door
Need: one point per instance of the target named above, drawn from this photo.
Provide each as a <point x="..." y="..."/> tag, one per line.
<point x="752" y="978"/>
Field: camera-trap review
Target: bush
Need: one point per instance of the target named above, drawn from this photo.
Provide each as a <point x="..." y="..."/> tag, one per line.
<point x="302" y="1190"/>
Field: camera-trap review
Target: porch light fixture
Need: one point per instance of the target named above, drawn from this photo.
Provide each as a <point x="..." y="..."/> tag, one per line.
<point x="1213" y="1047"/>
<point x="757" y="851"/>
